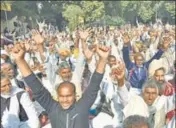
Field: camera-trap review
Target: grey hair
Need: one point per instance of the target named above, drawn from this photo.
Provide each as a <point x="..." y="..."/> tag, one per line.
<point x="63" y="65"/>
<point x="151" y="83"/>
<point x="136" y="121"/>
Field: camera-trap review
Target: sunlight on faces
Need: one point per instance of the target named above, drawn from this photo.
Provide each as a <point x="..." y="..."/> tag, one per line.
<point x="159" y="76"/>
<point x="111" y="61"/>
<point x="5" y="86"/>
<point x="149" y="95"/>
<point x="4" y="57"/>
<point x="65" y="74"/>
<point x="66" y="95"/>
<point x="7" y="70"/>
<point x="138" y="60"/>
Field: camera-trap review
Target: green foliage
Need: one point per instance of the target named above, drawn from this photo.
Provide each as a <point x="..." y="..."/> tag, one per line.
<point x="88" y="11"/>
<point x="170" y="7"/>
<point x="24" y="8"/>
<point x="92" y="10"/>
<point x="72" y="13"/>
<point x="114" y="21"/>
<point x="145" y="11"/>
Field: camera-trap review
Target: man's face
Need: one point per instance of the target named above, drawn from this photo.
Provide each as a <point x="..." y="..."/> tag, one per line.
<point x="8" y="70"/>
<point x="159" y="76"/>
<point x="111" y="61"/>
<point x="5" y="86"/>
<point x="66" y="96"/>
<point x="139" y="126"/>
<point x="4" y="57"/>
<point x="65" y="74"/>
<point x="149" y="95"/>
<point x="138" y="60"/>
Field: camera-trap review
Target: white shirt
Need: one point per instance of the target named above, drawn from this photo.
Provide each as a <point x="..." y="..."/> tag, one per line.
<point x="10" y="117"/>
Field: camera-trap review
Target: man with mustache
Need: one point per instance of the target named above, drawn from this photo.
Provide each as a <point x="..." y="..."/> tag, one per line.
<point x="165" y="88"/>
<point x="66" y="113"/>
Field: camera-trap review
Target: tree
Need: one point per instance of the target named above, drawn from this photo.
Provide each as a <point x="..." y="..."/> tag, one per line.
<point x="84" y="11"/>
<point x="93" y="10"/>
<point x="145" y="11"/>
<point x="71" y="13"/>
<point x="170" y="7"/>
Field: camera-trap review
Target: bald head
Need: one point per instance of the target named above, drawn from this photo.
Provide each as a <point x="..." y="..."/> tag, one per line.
<point x="66" y="84"/>
<point x="66" y="94"/>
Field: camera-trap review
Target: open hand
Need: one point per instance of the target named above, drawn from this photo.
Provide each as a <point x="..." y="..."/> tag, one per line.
<point x="84" y="34"/>
<point x="36" y="36"/>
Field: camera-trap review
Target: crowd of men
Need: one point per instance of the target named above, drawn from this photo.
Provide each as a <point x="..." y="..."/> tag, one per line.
<point x="120" y="77"/>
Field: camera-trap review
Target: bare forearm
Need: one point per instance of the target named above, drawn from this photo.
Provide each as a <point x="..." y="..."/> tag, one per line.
<point x="41" y="51"/>
<point x="101" y="66"/>
<point x="24" y="67"/>
<point x="76" y="45"/>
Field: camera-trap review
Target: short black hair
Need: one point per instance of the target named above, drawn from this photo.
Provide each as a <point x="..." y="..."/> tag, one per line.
<point x="43" y="113"/>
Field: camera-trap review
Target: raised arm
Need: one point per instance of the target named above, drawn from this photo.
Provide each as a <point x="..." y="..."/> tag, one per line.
<point x="90" y="94"/>
<point x="37" y="37"/>
<point x="118" y="74"/>
<point x="125" y="51"/>
<point x="164" y="46"/>
<point x="39" y="92"/>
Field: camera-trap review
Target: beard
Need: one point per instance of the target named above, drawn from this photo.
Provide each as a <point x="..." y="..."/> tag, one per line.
<point x="161" y="87"/>
<point x="66" y="79"/>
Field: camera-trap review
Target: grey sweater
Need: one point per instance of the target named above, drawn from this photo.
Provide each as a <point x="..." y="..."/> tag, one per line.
<point x="74" y="117"/>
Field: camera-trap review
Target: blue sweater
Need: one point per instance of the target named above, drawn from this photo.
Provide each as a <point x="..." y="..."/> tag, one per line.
<point x="138" y="75"/>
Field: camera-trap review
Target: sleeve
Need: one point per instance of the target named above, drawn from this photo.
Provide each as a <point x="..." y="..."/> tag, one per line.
<point x="156" y="56"/>
<point x="92" y="64"/>
<point x="79" y="66"/>
<point x="169" y="103"/>
<point x="115" y="52"/>
<point x="126" y="57"/>
<point x="97" y="101"/>
<point x="124" y="95"/>
<point x="40" y="93"/>
<point x="90" y="94"/>
<point x="29" y="108"/>
<point x="155" y="45"/>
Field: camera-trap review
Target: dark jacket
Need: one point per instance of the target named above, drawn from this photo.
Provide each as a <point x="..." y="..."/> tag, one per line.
<point x="138" y="76"/>
<point x="74" y="117"/>
<point x="20" y="84"/>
